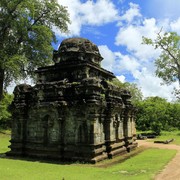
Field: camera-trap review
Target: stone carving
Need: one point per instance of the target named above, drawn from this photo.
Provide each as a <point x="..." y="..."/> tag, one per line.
<point x="74" y="112"/>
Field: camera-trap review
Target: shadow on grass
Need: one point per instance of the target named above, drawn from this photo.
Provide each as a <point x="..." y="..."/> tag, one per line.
<point x="120" y="158"/>
<point x="102" y="164"/>
<point x="35" y="159"/>
<point x="4" y="132"/>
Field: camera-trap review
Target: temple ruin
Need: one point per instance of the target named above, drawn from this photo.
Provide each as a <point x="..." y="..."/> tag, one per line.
<point x="74" y="112"/>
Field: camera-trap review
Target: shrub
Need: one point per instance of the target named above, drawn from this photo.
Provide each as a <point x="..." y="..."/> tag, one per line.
<point x="5" y="114"/>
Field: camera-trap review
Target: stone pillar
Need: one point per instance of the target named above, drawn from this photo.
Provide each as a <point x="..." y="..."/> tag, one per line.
<point x="20" y="107"/>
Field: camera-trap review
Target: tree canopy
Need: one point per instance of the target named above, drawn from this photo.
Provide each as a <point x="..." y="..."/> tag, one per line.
<point x="132" y="88"/>
<point x="156" y="114"/>
<point x="168" y="63"/>
<point x="5" y="114"/>
<point x="26" y="35"/>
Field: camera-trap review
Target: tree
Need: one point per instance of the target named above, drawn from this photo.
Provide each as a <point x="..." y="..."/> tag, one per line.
<point x="5" y="115"/>
<point x="152" y="114"/>
<point x="174" y="115"/>
<point x="133" y="88"/>
<point x="136" y="92"/>
<point x="156" y="114"/>
<point x="26" y="35"/>
<point x="168" y="63"/>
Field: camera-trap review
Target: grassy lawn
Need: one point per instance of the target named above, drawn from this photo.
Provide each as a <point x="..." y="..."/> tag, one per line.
<point x="165" y="135"/>
<point x="4" y="141"/>
<point x="142" y="166"/>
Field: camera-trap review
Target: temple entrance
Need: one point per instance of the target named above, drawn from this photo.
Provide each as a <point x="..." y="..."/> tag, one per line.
<point x="45" y="134"/>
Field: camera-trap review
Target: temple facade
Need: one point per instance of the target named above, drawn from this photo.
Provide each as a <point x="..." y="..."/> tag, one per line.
<point x="74" y="112"/>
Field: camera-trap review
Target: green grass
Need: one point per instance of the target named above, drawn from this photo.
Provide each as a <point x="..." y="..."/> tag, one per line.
<point x="4" y="141"/>
<point x="145" y="165"/>
<point x="165" y="135"/>
<point x="142" y="166"/>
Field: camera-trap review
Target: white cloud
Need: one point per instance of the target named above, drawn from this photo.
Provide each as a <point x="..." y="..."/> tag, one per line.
<point x="151" y="85"/>
<point x="131" y="13"/>
<point x="145" y="78"/>
<point x="132" y="26"/>
<point x="116" y="62"/>
<point x="89" y="13"/>
<point x="109" y="57"/>
<point x="101" y="12"/>
<point x="175" y="25"/>
<point x="126" y="63"/>
<point x="121" y="78"/>
<point x="140" y="59"/>
<point x="131" y="37"/>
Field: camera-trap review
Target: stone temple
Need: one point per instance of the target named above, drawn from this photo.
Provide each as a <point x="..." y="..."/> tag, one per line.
<point x="74" y="112"/>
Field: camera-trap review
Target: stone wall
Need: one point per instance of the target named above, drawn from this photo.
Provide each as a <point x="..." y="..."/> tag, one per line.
<point x="74" y="112"/>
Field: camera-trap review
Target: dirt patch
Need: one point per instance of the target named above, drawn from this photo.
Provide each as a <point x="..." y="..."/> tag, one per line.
<point x="172" y="169"/>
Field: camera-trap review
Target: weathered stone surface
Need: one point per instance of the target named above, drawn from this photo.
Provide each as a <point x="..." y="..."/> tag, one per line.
<point x="74" y="112"/>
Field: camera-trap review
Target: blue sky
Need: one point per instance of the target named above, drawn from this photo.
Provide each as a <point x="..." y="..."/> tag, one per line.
<point x="117" y="27"/>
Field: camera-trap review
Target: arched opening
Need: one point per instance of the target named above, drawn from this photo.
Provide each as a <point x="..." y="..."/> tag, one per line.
<point x="45" y="122"/>
<point x="116" y="127"/>
<point x="83" y="133"/>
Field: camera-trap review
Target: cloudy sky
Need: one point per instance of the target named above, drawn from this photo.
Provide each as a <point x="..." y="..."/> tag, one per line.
<point x="117" y="27"/>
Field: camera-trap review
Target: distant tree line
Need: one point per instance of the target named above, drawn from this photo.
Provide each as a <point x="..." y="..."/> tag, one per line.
<point x="156" y="114"/>
<point x="26" y="36"/>
<point x="153" y="113"/>
<point x="5" y="114"/>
